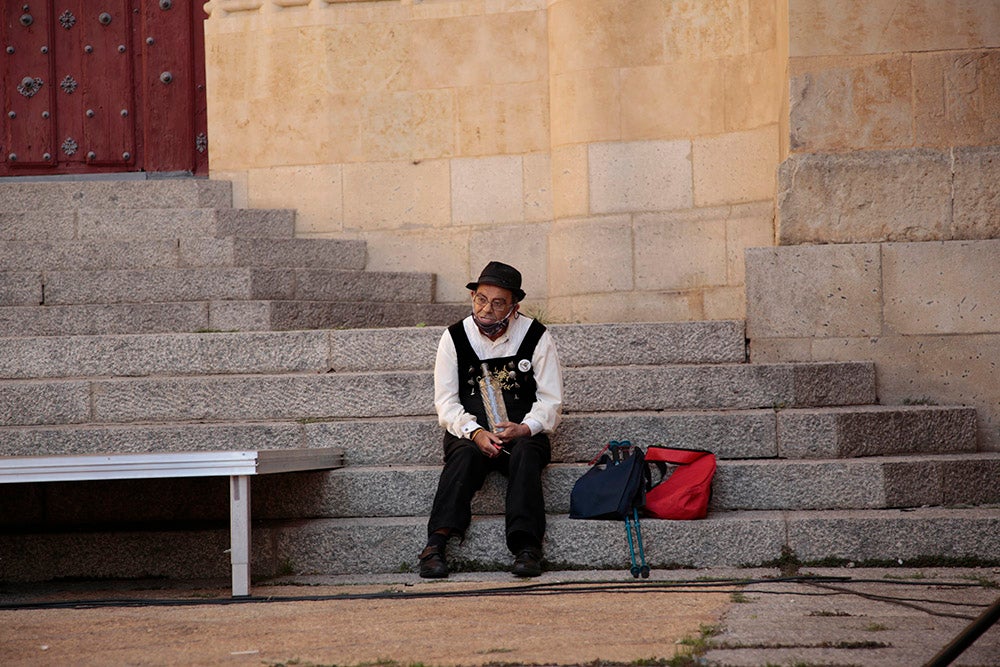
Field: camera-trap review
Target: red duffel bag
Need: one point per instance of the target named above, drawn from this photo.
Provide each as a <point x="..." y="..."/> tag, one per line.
<point x="684" y="492"/>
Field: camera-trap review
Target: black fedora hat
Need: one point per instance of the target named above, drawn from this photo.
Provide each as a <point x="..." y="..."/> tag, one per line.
<point x="500" y="275"/>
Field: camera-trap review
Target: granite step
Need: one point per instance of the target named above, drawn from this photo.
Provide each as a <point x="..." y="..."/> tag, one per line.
<point x="165" y="354"/>
<point x="34" y="257"/>
<point x="178" y="253"/>
<point x="637" y="343"/>
<point x="20" y="288"/>
<point x="385" y="545"/>
<point x="293" y="252"/>
<point x="114" y="194"/>
<point x="295" y="315"/>
<point x="197" y="248"/>
<point x="144" y="224"/>
<point x="876" y="430"/>
<point x="345" y="350"/>
<point x="830" y="432"/>
<point x="195" y="316"/>
<point x="409" y="393"/>
<point x="150" y="285"/>
<point x="133" y="318"/>
<point x="719" y="387"/>
<point x="724" y="539"/>
<point x="873" y="483"/>
<point x="730" y="434"/>
<point x="764" y="484"/>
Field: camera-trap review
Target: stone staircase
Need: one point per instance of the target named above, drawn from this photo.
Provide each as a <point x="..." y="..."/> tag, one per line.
<point x="811" y="466"/>
<point x="105" y="257"/>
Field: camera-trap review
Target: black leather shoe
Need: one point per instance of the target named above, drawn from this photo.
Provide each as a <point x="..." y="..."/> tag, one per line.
<point x="432" y="563"/>
<point x="528" y="562"/>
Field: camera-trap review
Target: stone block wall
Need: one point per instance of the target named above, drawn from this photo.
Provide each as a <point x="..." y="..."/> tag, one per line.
<point x="893" y="130"/>
<point x="885" y="75"/>
<point x="622" y="154"/>
<point x="927" y="313"/>
<point x="920" y="194"/>
<point x="888" y="201"/>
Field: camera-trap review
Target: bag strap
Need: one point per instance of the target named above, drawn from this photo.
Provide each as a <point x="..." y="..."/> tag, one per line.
<point x="615" y="445"/>
<point x="675" y="456"/>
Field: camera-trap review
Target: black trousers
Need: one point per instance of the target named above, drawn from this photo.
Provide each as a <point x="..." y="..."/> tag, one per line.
<point x="465" y="471"/>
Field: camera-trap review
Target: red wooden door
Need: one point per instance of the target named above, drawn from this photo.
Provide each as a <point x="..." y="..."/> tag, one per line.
<point x="102" y="86"/>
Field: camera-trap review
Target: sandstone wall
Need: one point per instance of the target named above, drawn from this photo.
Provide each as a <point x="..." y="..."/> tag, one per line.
<point x="927" y="313"/>
<point x="889" y="201"/>
<point x="883" y="95"/>
<point x="623" y="154"/>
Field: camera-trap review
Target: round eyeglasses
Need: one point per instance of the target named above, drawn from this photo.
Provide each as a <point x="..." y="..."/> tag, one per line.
<point x="496" y="305"/>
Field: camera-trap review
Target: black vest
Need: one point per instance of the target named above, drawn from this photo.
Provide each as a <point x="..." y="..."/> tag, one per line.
<point x="515" y="374"/>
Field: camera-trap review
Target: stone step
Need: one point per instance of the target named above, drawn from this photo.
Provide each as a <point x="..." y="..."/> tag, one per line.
<point x="875" y="431"/>
<point x="722" y="386"/>
<point x="832" y="432"/>
<point x="297" y="315"/>
<point x="733" y="539"/>
<point x="34" y="257"/>
<point x="114" y="194"/>
<point x="61" y="288"/>
<point x="185" y="317"/>
<point x="328" y="270"/>
<point x="730" y="434"/>
<point x="185" y="253"/>
<point x="166" y="354"/>
<point x="143" y="224"/>
<point x="408" y="491"/>
<point x="20" y="288"/>
<point x="409" y="393"/>
<point x="37" y="225"/>
<point x="293" y="252"/>
<point x="390" y="545"/>
<point x="36" y="230"/>
<point x="766" y="484"/>
<point x="105" y="319"/>
<point x="345" y="350"/>
<point x="717" y="342"/>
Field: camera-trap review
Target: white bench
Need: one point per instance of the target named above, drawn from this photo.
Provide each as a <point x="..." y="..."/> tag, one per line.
<point x="237" y="465"/>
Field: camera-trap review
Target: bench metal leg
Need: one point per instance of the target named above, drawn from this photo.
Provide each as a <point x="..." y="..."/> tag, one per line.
<point x="239" y="533"/>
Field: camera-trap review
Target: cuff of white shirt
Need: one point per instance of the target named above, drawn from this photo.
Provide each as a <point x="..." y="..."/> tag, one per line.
<point x="469" y="428"/>
<point x="533" y="425"/>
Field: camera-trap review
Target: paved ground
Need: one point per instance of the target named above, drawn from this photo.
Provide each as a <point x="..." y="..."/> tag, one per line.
<point x="880" y="618"/>
<point x="716" y="617"/>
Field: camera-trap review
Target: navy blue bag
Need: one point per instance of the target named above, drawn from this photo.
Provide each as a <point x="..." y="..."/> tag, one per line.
<point x="614" y="485"/>
<point x="615" y="488"/>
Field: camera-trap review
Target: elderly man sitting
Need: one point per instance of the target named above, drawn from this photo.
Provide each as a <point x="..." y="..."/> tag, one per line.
<point x="498" y="395"/>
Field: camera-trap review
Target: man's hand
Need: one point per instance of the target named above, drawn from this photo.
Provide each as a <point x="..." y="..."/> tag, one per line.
<point x="511" y="431"/>
<point x="488" y="443"/>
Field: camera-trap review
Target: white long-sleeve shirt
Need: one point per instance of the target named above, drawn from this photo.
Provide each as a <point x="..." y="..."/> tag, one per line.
<point x="545" y="411"/>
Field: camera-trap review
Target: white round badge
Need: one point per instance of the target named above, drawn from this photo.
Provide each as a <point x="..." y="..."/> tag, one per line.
<point x="524" y="365"/>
